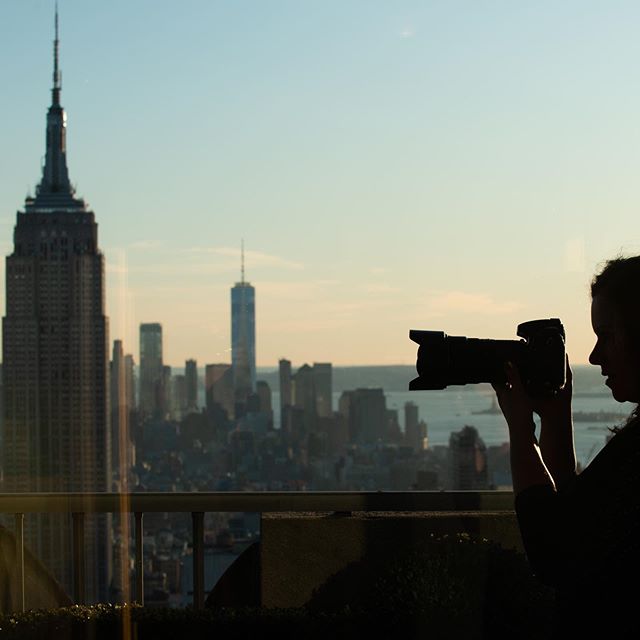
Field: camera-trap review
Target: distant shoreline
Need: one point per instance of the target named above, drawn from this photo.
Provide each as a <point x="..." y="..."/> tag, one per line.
<point x="587" y="380"/>
<point x="396" y="378"/>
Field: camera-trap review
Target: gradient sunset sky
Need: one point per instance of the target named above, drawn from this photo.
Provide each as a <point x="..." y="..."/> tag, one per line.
<point x="458" y="166"/>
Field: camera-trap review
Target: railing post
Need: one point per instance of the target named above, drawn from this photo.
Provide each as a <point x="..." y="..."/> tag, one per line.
<point x="78" y="557"/>
<point x="139" y="559"/>
<point x="19" y="573"/>
<point x="198" y="559"/>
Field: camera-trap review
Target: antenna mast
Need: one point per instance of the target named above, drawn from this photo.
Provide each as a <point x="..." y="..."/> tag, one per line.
<point x="242" y="260"/>
<point x="57" y="84"/>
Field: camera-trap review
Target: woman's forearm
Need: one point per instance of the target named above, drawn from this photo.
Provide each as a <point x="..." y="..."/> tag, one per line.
<point x="557" y="447"/>
<point x="527" y="466"/>
<point x="556" y="432"/>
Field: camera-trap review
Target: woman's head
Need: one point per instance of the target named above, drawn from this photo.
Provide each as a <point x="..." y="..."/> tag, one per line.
<point x="615" y="316"/>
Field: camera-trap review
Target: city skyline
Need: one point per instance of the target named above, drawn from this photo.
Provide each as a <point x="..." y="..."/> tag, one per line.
<point x="372" y="158"/>
<point x="71" y="421"/>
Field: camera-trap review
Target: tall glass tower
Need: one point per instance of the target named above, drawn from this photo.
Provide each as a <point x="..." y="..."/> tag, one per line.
<point x="56" y="431"/>
<point x="243" y="336"/>
<point x="152" y="401"/>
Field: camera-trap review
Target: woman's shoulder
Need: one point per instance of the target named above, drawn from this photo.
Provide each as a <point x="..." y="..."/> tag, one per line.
<point x="620" y="455"/>
<point x="629" y="433"/>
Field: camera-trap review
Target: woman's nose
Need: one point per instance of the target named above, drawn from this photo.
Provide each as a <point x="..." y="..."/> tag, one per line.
<point x="594" y="357"/>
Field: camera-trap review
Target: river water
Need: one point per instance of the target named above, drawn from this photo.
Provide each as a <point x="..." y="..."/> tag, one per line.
<point x="450" y="410"/>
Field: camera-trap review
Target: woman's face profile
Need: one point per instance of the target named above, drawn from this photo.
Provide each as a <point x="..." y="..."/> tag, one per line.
<point x="612" y="352"/>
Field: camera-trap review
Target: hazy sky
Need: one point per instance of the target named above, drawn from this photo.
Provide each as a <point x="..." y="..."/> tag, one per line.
<point x="455" y="165"/>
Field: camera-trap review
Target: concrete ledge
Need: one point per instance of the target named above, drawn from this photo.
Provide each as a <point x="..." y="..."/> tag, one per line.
<point x="300" y="551"/>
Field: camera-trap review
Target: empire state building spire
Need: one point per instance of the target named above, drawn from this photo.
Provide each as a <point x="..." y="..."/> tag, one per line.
<point x="57" y="80"/>
<point x="55" y="190"/>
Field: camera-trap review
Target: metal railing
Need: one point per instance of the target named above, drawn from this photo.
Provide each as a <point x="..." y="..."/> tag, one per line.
<point x="79" y="504"/>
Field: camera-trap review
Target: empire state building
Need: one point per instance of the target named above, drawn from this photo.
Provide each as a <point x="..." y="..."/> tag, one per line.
<point x="56" y="436"/>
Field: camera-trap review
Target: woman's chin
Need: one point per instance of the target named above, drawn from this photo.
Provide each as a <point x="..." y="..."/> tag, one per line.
<point x="620" y="395"/>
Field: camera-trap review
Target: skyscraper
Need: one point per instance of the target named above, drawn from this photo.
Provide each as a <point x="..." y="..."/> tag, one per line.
<point x="323" y="388"/>
<point x="130" y="382"/>
<point x="191" y="382"/>
<point x="218" y="385"/>
<point x="304" y="396"/>
<point x="178" y="404"/>
<point x="264" y="393"/>
<point x="165" y="392"/>
<point x="415" y="430"/>
<point x="365" y="411"/>
<point x="286" y="393"/>
<point x="151" y="370"/>
<point x="468" y="459"/>
<point x="122" y="445"/>
<point x="243" y="337"/>
<point x="55" y="356"/>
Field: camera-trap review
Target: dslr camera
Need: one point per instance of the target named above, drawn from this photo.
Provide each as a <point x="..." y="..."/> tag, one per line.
<point x="455" y="360"/>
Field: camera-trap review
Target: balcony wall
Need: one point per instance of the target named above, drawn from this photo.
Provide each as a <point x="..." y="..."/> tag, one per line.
<point x="306" y="538"/>
<point x="301" y="551"/>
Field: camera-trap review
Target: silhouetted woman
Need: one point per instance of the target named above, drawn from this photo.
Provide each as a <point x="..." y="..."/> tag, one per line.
<point x="581" y="531"/>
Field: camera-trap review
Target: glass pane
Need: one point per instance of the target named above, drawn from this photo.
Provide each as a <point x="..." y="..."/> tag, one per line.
<point x="241" y="211"/>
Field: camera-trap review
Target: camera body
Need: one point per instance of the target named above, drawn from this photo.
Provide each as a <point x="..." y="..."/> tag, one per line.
<point x="457" y="360"/>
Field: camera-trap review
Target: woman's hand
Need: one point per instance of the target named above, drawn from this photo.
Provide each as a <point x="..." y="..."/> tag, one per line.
<point x="558" y="406"/>
<point x="515" y="403"/>
<point x="518" y="406"/>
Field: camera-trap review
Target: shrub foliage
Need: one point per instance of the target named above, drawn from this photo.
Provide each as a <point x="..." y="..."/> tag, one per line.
<point x="450" y="587"/>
